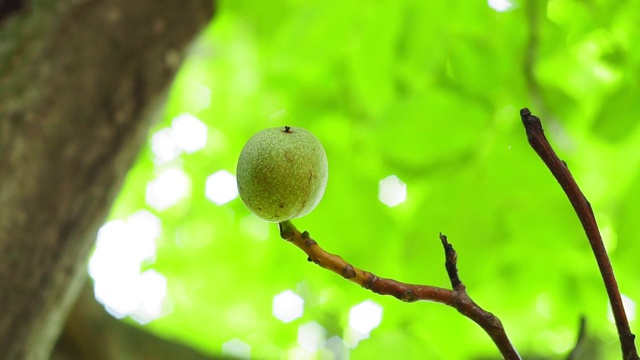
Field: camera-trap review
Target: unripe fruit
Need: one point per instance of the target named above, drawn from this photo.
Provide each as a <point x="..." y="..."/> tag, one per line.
<point x="282" y="173"/>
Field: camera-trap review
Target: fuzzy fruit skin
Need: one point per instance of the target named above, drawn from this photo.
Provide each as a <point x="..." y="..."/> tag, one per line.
<point x="282" y="173"/>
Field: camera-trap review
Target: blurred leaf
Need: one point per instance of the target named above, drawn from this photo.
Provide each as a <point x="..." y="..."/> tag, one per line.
<point x="430" y="93"/>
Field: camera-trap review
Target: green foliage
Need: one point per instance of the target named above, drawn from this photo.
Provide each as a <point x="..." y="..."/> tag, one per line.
<point x="429" y="92"/>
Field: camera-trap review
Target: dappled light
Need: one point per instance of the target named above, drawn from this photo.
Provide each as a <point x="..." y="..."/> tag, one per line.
<point x="197" y="97"/>
<point x="221" y="187"/>
<point x="500" y="5"/>
<point x="287" y="306"/>
<point x="256" y="228"/>
<point x="237" y="348"/>
<point x="365" y="317"/>
<point x="629" y="307"/>
<point x="167" y="189"/>
<point x="189" y="133"/>
<point x="335" y="349"/>
<point x="559" y="341"/>
<point x="392" y="191"/>
<point x="311" y="336"/>
<point x="153" y="290"/>
<point x="416" y="107"/>
<point x="122" y="248"/>
<point x="163" y="146"/>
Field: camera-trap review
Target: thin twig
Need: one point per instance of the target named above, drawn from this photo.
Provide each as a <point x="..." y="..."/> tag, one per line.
<point x="581" y="205"/>
<point x="457" y="298"/>
<point x="582" y="335"/>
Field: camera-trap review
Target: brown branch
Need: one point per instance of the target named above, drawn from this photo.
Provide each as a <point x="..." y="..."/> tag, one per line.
<point x="581" y="205"/>
<point x="456" y="298"/>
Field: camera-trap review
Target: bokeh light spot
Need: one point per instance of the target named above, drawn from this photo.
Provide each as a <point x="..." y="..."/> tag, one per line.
<point x="221" y="187"/>
<point x="365" y="317"/>
<point x="189" y="133"/>
<point x="543" y="305"/>
<point x="197" y="97"/>
<point x="121" y="249"/>
<point x="236" y="348"/>
<point x="288" y="306"/>
<point x="151" y="302"/>
<point x="500" y="5"/>
<point x="335" y="349"/>
<point x="167" y="189"/>
<point x="629" y="308"/>
<point x="163" y="147"/>
<point x="392" y="191"/>
<point x="255" y="227"/>
<point x="560" y="341"/>
<point x="311" y="336"/>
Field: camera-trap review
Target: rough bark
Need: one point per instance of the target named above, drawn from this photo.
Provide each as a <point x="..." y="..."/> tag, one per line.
<point x="77" y="81"/>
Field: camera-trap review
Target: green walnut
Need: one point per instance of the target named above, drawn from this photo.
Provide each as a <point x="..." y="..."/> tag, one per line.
<point x="282" y="173"/>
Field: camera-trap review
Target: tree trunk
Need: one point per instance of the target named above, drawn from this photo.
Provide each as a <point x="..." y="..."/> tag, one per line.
<point x="78" y="79"/>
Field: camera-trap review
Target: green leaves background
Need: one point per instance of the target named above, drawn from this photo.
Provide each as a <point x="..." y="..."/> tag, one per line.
<point x="429" y="92"/>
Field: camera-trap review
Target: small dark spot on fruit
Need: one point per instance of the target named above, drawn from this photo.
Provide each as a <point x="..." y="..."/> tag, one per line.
<point x="287" y="129"/>
<point x="281" y="205"/>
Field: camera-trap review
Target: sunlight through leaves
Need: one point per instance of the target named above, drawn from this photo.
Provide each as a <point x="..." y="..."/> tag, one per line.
<point x="221" y="187"/>
<point x="189" y="133"/>
<point x="365" y="317"/>
<point x="122" y="247"/>
<point x="392" y="191"/>
<point x="236" y="348"/>
<point x="311" y="336"/>
<point x="629" y="308"/>
<point x="287" y="306"/>
<point x="167" y="189"/>
<point x="500" y="5"/>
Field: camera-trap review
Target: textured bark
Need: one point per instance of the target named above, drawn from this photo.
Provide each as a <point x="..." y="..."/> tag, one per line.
<point x="78" y="79"/>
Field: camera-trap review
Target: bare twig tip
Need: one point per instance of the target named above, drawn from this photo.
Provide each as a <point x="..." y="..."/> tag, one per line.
<point x="443" y="238"/>
<point x="582" y="207"/>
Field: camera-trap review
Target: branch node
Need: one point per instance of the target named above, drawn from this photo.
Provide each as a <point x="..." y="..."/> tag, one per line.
<point x="348" y="272"/>
<point x="456" y="298"/>
<point x="409" y="296"/>
<point x="371" y="279"/>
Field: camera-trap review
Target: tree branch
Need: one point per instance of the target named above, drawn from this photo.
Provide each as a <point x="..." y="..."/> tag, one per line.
<point x="581" y="205"/>
<point x="456" y="298"/>
<point x="574" y="354"/>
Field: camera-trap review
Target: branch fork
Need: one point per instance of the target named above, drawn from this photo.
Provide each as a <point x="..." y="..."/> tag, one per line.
<point x="456" y="298"/>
